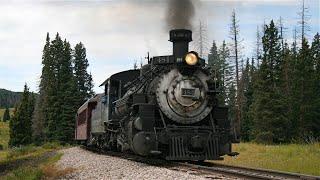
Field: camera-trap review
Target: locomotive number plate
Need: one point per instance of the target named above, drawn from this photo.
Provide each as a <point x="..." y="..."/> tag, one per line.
<point x="186" y="92"/>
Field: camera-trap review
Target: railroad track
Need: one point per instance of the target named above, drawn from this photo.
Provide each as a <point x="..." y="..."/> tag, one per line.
<point x="210" y="169"/>
<point x="248" y="173"/>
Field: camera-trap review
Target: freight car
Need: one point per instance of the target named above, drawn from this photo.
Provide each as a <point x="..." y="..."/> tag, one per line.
<point x="167" y="108"/>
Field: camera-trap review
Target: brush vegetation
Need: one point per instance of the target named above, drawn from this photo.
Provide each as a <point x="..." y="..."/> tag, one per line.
<point x="2" y="113"/>
<point x="31" y="162"/>
<point x="4" y="135"/>
<point x="43" y="170"/>
<point x="28" y="162"/>
<point x="297" y="158"/>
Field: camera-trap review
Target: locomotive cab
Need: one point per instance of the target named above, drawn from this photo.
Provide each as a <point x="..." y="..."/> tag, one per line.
<point x="114" y="89"/>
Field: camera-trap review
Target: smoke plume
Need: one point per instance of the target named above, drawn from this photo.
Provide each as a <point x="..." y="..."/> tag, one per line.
<point x="179" y="14"/>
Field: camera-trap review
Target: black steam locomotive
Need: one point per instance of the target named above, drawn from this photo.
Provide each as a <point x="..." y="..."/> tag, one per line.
<point x="167" y="108"/>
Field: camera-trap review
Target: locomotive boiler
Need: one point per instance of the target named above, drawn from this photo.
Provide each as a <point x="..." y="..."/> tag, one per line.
<point x="167" y="108"/>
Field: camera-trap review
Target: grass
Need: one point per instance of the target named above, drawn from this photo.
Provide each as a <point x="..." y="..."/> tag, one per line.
<point x="50" y="171"/>
<point x="2" y="112"/>
<point x="297" y="158"/>
<point x="25" y="152"/>
<point x="4" y="135"/>
<point x="4" y="130"/>
<point x="43" y="170"/>
<point x="27" y="173"/>
<point x="28" y="162"/>
<point x="32" y="162"/>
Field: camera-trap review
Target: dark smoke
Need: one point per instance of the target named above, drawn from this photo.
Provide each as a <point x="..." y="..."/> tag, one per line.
<point x="179" y="14"/>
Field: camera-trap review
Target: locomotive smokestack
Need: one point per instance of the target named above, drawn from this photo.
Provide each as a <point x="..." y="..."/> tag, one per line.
<point x="180" y="39"/>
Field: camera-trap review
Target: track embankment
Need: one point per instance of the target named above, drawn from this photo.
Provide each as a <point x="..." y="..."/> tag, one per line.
<point x="94" y="164"/>
<point x="91" y="165"/>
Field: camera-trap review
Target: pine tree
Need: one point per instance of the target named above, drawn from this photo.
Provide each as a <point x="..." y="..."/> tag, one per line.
<point x="226" y="71"/>
<point x="213" y="55"/>
<point x="6" y="115"/>
<point x="62" y="88"/>
<point x="38" y="120"/>
<point x="90" y="84"/>
<point x="43" y="109"/>
<point x="31" y="105"/>
<point x="269" y="107"/>
<point x="250" y="99"/>
<point x="53" y="86"/>
<point x="215" y="65"/>
<point x="20" y="125"/>
<point x="231" y="99"/>
<point x="218" y="61"/>
<point x="304" y="93"/>
<point x="315" y="51"/>
<point x="315" y="54"/>
<point x="66" y="96"/>
<point x="247" y="93"/>
<point x="83" y="78"/>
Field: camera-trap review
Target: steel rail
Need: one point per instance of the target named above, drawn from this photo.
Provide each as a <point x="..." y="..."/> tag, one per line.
<point x="249" y="173"/>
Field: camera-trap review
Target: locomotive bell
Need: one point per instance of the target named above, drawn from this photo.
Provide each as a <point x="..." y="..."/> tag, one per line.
<point x="180" y="39"/>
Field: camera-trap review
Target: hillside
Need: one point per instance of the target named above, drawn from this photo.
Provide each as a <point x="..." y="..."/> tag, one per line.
<point x="9" y="98"/>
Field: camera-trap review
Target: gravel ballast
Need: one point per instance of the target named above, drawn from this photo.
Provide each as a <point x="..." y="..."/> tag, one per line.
<point x="90" y="165"/>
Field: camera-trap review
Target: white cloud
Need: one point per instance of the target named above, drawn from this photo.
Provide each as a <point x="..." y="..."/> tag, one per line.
<point x="114" y="32"/>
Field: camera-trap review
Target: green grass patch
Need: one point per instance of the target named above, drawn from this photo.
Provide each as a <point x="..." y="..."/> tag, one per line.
<point x="4" y="135"/>
<point x="4" y="130"/>
<point x="2" y="112"/>
<point x="297" y="158"/>
<point x="50" y="171"/>
<point x="27" y="173"/>
<point x="28" y="162"/>
<point x="24" y="152"/>
<point x="43" y="170"/>
<point x="52" y="145"/>
<point x="32" y="162"/>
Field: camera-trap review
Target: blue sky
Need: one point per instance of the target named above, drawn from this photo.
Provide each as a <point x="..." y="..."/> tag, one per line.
<point x="116" y="33"/>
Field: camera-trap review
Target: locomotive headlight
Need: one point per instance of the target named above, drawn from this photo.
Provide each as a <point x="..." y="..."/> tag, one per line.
<point x="191" y="59"/>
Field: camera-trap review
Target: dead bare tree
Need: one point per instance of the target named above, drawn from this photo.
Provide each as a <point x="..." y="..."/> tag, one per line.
<point x="294" y="43"/>
<point x="258" y="46"/>
<point x="282" y="29"/>
<point x="234" y="32"/>
<point x="304" y="17"/>
<point x="201" y="39"/>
